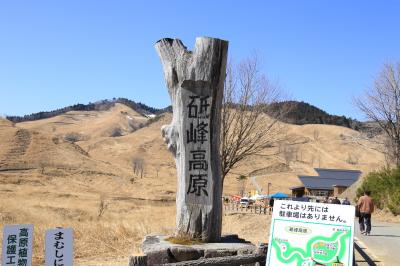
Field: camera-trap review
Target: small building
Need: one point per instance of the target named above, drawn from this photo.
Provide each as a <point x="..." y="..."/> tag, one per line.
<point x="328" y="182"/>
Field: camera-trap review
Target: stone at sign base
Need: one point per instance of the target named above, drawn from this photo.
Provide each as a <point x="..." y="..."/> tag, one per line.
<point x="161" y="251"/>
<point x="137" y="260"/>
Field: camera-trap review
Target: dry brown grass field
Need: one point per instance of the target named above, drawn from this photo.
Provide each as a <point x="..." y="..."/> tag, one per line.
<point x="90" y="185"/>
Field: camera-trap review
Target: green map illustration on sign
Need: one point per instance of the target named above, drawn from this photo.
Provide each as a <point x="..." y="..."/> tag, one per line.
<point x="307" y="234"/>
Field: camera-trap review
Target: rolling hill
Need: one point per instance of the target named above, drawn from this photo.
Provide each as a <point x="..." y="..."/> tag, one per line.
<point x="301" y="113"/>
<point x="76" y="169"/>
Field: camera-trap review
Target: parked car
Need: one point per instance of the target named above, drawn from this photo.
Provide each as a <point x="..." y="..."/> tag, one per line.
<point x="246" y="202"/>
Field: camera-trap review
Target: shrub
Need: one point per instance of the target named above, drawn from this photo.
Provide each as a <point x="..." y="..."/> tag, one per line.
<point x="74" y="137"/>
<point x="385" y="188"/>
<point x="352" y="159"/>
<point x="116" y="132"/>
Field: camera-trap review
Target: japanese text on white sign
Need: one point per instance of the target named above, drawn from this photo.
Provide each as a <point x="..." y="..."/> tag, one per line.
<point x="17" y="245"/>
<point x="305" y="233"/>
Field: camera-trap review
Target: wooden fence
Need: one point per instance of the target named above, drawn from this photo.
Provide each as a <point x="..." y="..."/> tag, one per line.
<point x="258" y="209"/>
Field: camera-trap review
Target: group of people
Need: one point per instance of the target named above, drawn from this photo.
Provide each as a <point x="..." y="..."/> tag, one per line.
<point x="336" y="201"/>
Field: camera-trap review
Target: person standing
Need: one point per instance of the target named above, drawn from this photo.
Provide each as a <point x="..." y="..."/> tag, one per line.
<point x="326" y="200"/>
<point x="271" y="205"/>
<point x="346" y="201"/>
<point x="335" y="201"/>
<point x="366" y="207"/>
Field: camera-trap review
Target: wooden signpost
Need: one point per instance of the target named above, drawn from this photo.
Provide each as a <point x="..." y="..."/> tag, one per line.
<point x="195" y="81"/>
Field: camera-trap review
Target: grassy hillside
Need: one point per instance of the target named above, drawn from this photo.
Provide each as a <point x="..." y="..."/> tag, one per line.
<point x="75" y="126"/>
<point x="87" y="181"/>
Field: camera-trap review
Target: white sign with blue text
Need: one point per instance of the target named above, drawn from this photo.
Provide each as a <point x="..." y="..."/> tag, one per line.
<point x="308" y="234"/>
<point x="17" y="245"/>
<point x="59" y="247"/>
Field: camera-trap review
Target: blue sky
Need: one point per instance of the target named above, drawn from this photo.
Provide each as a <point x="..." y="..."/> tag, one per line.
<point x="58" y="53"/>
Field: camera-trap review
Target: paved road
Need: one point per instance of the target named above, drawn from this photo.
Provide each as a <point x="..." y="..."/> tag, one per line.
<point x="383" y="243"/>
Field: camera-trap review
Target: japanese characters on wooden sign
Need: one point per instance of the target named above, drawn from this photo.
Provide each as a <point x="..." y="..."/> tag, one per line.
<point x="195" y="81"/>
<point x="59" y="247"/>
<point x="17" y="245"/>
<point x="196" y="141"/>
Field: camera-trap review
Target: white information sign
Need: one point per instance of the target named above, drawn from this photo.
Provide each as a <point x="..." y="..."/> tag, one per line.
<point x="306" y="234"/>
<point x="59" y="247"/>
<point x="17" y="245"/>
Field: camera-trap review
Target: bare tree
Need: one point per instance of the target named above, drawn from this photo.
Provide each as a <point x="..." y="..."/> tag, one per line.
<point x="242" y="184"/>
<point x="246" y="129"/>
<point x="316" y="134"/>
<point x="352" y="158"/>
<point x="102" y="206"/>
<point x="312" y="160"/>
<point x="138" y="166"/>
<point x="319" y="159"/>
<point x="158" y="168"/>
<point x="381" y="104"/>
<point x="289" y="153"/>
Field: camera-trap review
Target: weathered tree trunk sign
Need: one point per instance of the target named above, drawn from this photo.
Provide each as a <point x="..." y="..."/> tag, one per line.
<point x="195" y="83"/>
